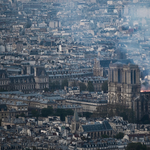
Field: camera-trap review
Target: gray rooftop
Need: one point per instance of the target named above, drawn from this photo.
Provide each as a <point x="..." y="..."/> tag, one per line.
<point x="97" y="127"/>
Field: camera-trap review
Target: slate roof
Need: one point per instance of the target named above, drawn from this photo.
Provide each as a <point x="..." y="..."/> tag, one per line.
<point x="21" y="78"/>
<point x="40" y="71"/>
<point x="105" y="126"/>
<point x="105" y="63"/>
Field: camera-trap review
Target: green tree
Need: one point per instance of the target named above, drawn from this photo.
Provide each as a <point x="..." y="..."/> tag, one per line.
<point x="120" y="135"/>
<point x="54" y="85"/>
<point x="105" y="86"/>
<point x="104" y="136"/>
<point x="63" y="113"/>
<point x="35" y="113"/>
<point x="136" y="146"/>
<point x="46" y="89"/>
<point x="101" y="111"/>
<point x="64" y="83"/>
<point x="110" y="110"/>
<point x="82" y="86"/>
<point x="90" y="86"/>
<point x="22" y="115"/>
<point x="87" y="114"/>
<point x="47" y="112"/>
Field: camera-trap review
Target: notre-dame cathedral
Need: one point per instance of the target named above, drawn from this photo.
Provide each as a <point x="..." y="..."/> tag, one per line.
<point x="123" y="83"/>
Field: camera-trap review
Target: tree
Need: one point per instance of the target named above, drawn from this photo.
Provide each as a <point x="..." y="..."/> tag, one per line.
<point x="120" y="135"/>
<point x="101" y="111"/>
<point x="105" y="136"/>
<point x="35" y="113"/>
<point x="110" y="110"/>
<point x="22" y="115"/>
<point x="145" y="119"/>
<point x="87" y="114"/>
<point x="54" y="85"/>
<point x="63" y="113"/>
<point x="82" y="86"/>
<point x="46" y="89"/>
<point x="90" y="86"/>
<point x="136" y="146"/>
<point x="47" y="112"/>
<point x="64" y="83"/>
<point x="105" y="86"/>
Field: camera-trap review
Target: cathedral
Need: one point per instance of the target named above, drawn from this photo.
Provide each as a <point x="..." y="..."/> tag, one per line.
<point x="123" y="83"/>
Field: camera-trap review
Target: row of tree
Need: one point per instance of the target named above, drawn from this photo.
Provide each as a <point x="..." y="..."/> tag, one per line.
<point x="90" y="87"/>
<point x="111" y="110"/>
<point x="45" y="112"/>
<point x="55" y="85"/>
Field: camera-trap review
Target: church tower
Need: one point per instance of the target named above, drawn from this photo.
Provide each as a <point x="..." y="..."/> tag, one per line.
<point x="75" y="124"/>
<point x="123" y="83"/>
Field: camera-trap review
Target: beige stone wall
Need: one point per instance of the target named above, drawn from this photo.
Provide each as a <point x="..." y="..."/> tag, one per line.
<point x="123" y="84"/>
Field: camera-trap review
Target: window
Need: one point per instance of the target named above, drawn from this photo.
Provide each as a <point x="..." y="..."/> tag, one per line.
<point x="131" y="77"/>
<point x="112" y="75"/>
<point x="125" y="76"/>
<point x="119" y="76"/>
<point x="134" y="77"/>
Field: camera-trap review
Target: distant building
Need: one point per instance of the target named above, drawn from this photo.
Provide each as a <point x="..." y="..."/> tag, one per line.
<point x="4" y="80"/>
<point x="19" y="46"/>
<point x="142" y="105"/>
<point x="26" y="83"/>
<point x="98" y="129"/>
<point x="101" y="67"/>
<point x="75" y="123"/>
<point x="55" y="24"/>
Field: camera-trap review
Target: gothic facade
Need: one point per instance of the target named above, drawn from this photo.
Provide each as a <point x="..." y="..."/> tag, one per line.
<point x="123" y="83"/>
<point x="142" y="105"/>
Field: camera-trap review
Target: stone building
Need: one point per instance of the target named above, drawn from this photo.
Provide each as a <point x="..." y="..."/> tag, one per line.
<point x="98" y="129"/>
<point x="123" y="83"/>
<point x="101" y="67"/>
<point x="7" y="111"/>
<point x="4" y="80"/>
<point x="93" y="130"/>
<point x="75" y="123"/>
<point x="19" y="46"/>
<point x="41" y="78"/>
<point x="35" y="79"/>
<point x="25" y="83"/>
<point x="142" y="105"/>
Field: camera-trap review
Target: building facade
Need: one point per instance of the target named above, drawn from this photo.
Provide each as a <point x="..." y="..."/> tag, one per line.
<point x="142" y="105"/>
<point x="123" y="83"/>
<point x="37" y="80"/>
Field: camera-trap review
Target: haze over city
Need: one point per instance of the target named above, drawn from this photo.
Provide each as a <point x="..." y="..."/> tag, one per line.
<point x="74" y="74"/>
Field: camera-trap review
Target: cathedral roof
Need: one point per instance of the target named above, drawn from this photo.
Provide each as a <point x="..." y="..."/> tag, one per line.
<point x="97" y="127"/>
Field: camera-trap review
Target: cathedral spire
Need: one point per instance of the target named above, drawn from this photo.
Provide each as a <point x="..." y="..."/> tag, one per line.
<point x="75" y="117"/>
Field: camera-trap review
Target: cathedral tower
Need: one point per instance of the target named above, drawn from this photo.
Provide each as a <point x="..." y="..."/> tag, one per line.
<point x="123" y="83"/>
